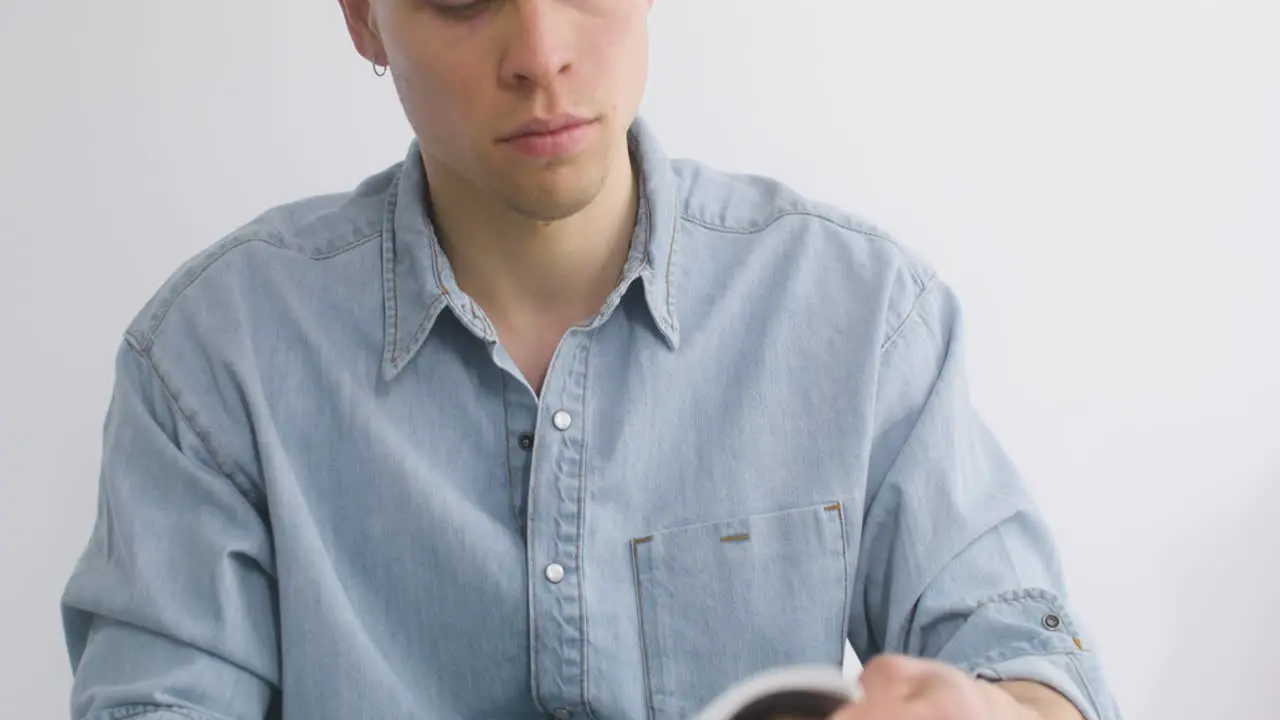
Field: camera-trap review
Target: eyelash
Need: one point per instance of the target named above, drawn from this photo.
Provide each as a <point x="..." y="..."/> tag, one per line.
<point x="464" y="11"/>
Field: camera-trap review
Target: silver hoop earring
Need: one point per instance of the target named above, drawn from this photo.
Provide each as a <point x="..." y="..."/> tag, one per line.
<point x="380" y="72"/>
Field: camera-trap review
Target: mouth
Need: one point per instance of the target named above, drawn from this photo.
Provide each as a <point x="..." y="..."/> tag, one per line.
<point x="548" y="137"/>
<point x="546" y="126"/>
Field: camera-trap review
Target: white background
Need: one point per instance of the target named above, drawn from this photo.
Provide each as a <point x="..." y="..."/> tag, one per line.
<point x="1100" y="180"/>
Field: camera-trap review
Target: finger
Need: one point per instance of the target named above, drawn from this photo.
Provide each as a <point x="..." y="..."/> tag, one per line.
<point x="892" y="676"/>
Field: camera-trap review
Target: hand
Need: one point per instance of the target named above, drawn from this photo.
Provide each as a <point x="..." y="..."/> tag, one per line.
<point x="897" y="687"/>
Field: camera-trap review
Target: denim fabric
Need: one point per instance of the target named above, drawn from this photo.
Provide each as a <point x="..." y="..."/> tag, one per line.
<point x="327" y="491"/>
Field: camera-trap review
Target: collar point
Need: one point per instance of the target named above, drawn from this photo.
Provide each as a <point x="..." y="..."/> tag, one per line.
<point x="392" y="366"/>
<point x="670" y="333"/>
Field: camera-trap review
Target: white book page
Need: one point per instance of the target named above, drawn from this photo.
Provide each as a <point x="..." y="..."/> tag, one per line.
<point x="820" y="680"/>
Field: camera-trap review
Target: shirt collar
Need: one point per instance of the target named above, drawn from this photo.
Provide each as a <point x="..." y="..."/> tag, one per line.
<point x="418" y="280"/>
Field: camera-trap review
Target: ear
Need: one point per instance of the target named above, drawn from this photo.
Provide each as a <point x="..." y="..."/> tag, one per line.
<point x="363" y="30"/>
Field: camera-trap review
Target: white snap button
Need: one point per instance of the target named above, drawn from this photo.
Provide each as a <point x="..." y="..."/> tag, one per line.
<point x="561" y="420"/>
<point x="555" y="572"/>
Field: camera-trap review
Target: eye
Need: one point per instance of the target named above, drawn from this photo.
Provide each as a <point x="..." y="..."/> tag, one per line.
<point x="461" y="10"/>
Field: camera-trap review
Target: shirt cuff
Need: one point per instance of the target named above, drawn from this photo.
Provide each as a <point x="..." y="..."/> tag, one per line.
<point x="1036" y="640"/>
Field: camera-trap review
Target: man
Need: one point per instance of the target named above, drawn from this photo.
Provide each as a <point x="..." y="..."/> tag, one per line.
<point x="540" y="423"/>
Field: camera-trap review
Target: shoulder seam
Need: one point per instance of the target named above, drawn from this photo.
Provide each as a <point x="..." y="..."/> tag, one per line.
<point x="161" y="312"/>
<point x="924" y="285"/>
<point x="753" y="229"/>
<point x="128" y="712"/>
<point x="251" y="493"/>
<point x="922" y="281"/>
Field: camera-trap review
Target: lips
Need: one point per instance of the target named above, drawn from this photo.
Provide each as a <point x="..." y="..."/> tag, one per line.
<point x="550" y="138"/>
<point x="546" y="126"/>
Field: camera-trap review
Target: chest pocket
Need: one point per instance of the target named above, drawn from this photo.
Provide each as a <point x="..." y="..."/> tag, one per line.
<point x="722" y="600"/>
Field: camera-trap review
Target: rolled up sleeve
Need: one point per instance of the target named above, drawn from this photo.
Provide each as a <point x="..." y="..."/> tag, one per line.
<point x="956" y="563"/>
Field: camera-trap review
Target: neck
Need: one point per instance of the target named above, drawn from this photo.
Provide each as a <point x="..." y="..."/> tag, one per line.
<point x="529" y="273"/>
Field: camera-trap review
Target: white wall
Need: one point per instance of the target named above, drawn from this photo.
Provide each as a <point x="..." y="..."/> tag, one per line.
<point x="1099" y="179"/>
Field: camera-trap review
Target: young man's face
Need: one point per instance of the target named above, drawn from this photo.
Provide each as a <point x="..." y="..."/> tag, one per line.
<point x="473" y="73"/>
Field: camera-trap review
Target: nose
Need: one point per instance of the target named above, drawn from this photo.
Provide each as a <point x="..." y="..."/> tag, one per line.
<point x="540" y="43"/>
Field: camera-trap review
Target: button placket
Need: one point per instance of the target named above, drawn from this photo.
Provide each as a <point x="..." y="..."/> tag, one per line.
<point x="556" y="605"/>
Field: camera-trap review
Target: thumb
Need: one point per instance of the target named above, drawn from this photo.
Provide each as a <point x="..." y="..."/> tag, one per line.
<point x="892" y="677"/>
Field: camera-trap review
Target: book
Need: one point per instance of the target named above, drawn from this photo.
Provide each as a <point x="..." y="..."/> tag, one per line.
<point x="794" y="692"/>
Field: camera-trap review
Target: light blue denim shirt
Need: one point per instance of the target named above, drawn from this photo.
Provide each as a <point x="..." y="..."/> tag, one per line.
<point x="327" y="492"/>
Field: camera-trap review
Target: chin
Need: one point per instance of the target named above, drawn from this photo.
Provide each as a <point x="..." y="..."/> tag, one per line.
<point x="556" y="196"/>
<point x="545" y="207"/>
